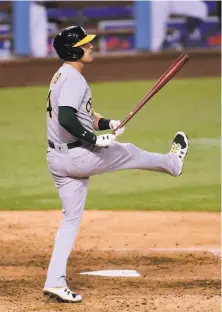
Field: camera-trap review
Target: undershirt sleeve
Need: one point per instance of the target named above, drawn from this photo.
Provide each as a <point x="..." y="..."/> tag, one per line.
<point x="68" y="120"/>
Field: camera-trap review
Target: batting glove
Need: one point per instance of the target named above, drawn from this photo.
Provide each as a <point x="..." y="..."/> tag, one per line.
<point x="113" y="124"/>
<point x="105" y="140"/>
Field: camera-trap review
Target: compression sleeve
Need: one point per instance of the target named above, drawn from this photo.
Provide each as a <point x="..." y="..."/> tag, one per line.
<point x="68" y="120"/>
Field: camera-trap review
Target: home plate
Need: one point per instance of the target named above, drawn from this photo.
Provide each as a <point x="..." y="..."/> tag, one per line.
<point x="113" y="273"/>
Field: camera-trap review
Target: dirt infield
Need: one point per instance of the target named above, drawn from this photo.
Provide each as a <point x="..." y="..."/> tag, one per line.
<point x="170" y="280"/>
<point x="29" y="72"/>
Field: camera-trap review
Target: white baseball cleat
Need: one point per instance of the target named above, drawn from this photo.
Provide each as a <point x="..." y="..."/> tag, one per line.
<point x="62" y="294"/>
<point x="180" y="147"/>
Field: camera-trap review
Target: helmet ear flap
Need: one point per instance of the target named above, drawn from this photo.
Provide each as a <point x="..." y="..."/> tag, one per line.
<point x="73" y="54"/>
<point x="77" y="53"/>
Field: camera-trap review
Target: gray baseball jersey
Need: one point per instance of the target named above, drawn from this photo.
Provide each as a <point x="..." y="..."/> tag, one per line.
<point x="68" y="88"/>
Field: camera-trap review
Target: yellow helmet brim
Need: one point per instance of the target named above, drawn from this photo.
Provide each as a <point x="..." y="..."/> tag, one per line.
<point x="85" y="40"/>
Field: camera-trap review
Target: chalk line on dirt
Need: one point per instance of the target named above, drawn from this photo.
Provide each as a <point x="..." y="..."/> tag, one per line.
<point x="215" y="252"/>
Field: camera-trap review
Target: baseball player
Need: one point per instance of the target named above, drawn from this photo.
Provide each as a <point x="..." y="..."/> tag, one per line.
<point x="75" y="152"/>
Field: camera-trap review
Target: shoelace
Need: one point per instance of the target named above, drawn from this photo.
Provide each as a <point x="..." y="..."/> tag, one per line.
<point x="70" y="292"/>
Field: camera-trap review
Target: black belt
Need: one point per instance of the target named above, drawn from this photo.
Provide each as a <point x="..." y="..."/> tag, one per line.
<point x="69" y="145"/>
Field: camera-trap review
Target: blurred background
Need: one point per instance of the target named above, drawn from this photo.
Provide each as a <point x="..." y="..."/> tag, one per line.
<point x="27" y="27"/>
<point x="136" y="42"/>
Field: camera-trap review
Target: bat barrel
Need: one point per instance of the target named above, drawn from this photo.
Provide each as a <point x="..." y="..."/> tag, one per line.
<point x="166" y="76"/>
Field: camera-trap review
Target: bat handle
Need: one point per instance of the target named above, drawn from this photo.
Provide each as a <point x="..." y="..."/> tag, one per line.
<point x="114" y="130"/>
<point x="131" y="114"/>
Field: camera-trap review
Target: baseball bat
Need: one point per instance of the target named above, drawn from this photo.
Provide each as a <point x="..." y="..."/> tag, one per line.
<point x="163" y="80"/>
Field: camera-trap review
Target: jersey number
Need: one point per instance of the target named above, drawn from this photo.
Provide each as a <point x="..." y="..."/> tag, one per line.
<point x="49" y="107"/>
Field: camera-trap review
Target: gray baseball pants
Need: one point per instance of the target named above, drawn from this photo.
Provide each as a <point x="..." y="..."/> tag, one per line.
<point x="71" y="170"/>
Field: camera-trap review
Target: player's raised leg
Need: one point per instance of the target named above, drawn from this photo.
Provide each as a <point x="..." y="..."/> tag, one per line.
<point x="121" y="156"/>
<point x="72" y="193"/>
<point x="136" y="158"/>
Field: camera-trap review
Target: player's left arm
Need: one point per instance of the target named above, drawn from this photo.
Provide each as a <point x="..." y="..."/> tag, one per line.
<point x="101" y="123"/>
<point x="97" y="117"/>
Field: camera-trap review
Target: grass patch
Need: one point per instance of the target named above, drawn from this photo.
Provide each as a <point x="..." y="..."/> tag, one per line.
<point x="191" y="105"/>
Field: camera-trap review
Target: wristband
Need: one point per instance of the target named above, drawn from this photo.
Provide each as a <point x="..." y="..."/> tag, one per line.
<point x="103" y="124"/>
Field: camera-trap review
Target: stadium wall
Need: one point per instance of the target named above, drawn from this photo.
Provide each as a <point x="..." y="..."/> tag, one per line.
<point x="140" y="66"/>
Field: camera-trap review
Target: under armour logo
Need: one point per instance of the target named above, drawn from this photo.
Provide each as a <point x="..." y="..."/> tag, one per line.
<point x="84" y="133"/>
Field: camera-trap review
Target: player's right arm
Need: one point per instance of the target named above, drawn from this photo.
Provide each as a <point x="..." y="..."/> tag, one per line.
<point x="69" y="121"/>
<point x="68" y="105"/>
<point x="69" y="101"/>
